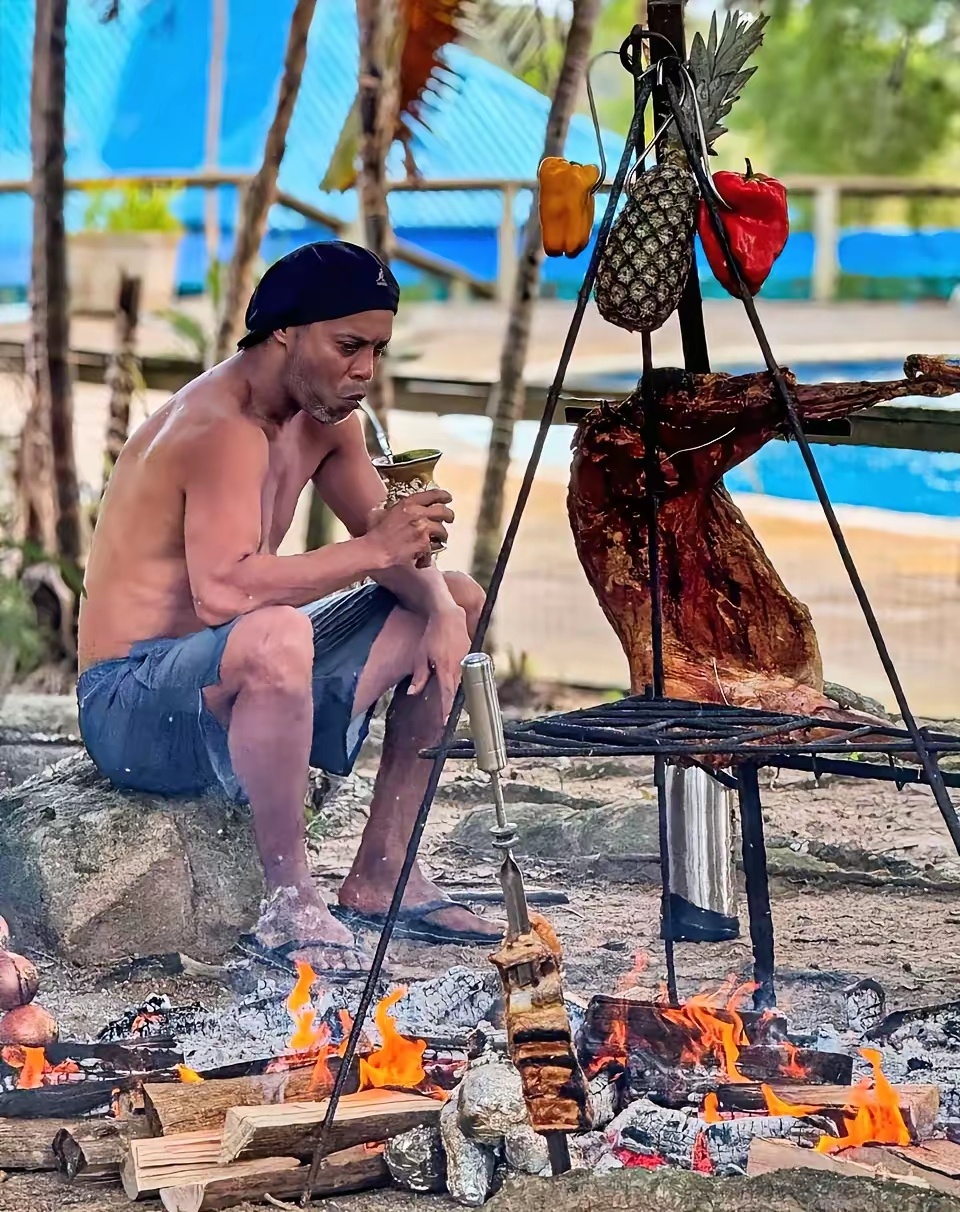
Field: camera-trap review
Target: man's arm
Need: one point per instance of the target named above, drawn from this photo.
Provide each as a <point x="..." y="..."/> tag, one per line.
<point x="350" y="485"/>
<point x="223" y="478"/>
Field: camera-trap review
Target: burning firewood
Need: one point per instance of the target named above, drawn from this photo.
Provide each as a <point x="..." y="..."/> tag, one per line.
<point x="185" y="1107"/>
<point x="732" y="632"/>
<point x="290" y="1129"/>
<point x="919" y="1104"/>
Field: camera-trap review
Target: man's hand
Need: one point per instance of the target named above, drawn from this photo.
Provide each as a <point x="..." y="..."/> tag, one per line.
<point x="403" y="533"/>
<point x="445" y="643"/>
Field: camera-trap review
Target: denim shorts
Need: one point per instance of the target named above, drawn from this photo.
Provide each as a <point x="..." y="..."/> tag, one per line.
<point x="145" y="724"/>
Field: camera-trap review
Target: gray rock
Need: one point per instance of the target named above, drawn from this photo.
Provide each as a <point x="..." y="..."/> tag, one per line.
<point x="98" y="874"/>
<point x="555" y="831"/>
<point x="54" y="714"/>
<point x="22" y="756"/>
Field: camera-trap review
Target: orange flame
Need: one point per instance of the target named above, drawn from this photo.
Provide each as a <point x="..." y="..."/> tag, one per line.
<point x="711" y="1109"/>
<point x="630" y="982"/>
<point x="710" y="1033"/>
<point x="614" y="1050"/>
<point x="794" y="1067"/>
<point x="300" y="1008"/>
<point x="398" y="1061"/>
<point x="322" y="1078"/>
<point x="35" y="1069"/>
<point x="872" y="1116"/>
<point x="190" y="1076"/>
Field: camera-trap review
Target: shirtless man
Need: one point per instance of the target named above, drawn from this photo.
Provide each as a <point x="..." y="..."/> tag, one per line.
<point x="206" y="659"/>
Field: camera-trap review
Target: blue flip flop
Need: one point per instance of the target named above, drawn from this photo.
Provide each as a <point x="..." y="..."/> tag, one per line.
<point x="414" y="924"/>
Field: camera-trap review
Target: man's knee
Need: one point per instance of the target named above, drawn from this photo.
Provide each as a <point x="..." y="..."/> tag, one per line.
<point x="468" y="595"/>
<point x="272" y="648"/>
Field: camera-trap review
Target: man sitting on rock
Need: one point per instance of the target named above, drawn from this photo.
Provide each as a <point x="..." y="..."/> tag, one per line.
<point x="206" y="659"/>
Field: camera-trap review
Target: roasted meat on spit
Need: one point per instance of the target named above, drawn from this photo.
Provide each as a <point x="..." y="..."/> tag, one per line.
<point x="732" y="632"/>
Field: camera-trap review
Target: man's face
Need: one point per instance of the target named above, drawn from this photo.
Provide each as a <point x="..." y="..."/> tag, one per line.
<point x="330" y="363"/>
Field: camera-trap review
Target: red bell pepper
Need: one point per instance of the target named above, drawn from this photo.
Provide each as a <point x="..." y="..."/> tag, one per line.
<point x="757" y="225"/>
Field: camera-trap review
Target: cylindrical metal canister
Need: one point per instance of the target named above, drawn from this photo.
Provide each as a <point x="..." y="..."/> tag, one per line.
<point x="702" y="837"/>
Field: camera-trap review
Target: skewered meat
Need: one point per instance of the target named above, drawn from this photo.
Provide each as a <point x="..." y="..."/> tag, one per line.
<point x="539" y="1035"/>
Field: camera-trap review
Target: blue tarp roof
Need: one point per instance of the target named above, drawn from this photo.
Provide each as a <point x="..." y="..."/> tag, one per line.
<point x="137" y="94"/>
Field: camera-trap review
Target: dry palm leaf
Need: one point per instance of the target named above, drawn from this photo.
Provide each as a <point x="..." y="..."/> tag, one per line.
<point x="428" y="26"/>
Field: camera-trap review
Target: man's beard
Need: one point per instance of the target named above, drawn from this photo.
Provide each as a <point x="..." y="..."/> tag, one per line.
<point x="321" y="407"/>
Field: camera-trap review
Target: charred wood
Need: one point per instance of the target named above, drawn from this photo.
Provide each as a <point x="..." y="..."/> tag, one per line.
<point x="95" y="1149"/>
<point x="919" y="1104"/>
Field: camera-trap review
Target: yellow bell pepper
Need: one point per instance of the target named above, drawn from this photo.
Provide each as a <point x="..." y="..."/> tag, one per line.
<point x="566" y="205"/>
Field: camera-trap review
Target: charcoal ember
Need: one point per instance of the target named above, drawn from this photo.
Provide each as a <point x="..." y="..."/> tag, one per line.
<point x="155" y="1016"/>
<point x="470" y="1165"/>
<point x="417" y="1161"/>
<point x="865" y="1005"/>
<point x="450" y="1004"/>
<point x="604" y="1095"/>
<point x="652" y="1131"/>
<point x="490" y="1099"/>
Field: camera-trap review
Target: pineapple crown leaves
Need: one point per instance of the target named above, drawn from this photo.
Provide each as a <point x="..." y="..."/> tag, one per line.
<point x="718" y="67"/>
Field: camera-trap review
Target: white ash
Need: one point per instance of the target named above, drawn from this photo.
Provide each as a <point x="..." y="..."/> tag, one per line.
<point x="416" y="1160"/>
<point x="259" y="1025"/>
<point x="603" y="1098"/>
<point x="649" y="1130"/>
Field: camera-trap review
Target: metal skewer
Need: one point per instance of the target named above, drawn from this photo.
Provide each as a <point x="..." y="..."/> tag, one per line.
<point x="490" y="747"/>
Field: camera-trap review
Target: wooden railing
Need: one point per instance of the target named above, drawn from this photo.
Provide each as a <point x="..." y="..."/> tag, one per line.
<point x="827" y="194"/>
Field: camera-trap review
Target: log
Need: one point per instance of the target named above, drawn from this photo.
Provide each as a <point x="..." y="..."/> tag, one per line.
<point x="164" y="1161"/>
<point x="920" y="1165"/>
<point x="291" y="1128"/>
<point x="357" y="1169"/>
<point x="94" y="1149"/>
<point x="669" y="1190"/>
<point x="188" y="1107"/>
<point x="636" y="1037"/>
<point x="68" y="1100"/>
<point x="25" y="1144"/>
<point x="919" y="1104"/>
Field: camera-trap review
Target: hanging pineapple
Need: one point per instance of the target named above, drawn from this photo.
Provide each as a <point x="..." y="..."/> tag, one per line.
<point x="649" y="253"/>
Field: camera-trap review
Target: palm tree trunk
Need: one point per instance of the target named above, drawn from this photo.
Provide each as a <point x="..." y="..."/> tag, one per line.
<point x="47" y="471"/>
<point x="509" y="392"/>
<point x="379" y="24"/>
<point x="122" y="374"/>
<point x="260" y="193"/>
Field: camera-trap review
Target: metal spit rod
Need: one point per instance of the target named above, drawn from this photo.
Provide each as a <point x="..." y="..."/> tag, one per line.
<point x="490" y="746"/>
<point x="486" y="725"/>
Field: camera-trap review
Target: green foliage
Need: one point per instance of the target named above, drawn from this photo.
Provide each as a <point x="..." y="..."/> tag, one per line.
<point x="19" y="635"/>
<point x="132" y="208"/>
<point x="854" y="86"/>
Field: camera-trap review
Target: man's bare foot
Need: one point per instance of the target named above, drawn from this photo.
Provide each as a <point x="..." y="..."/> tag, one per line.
<point x="290" y="916"/>
<point x="374" y="899"/>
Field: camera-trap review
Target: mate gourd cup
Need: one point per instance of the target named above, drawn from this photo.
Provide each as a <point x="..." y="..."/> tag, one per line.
<point x="408" y="473"/>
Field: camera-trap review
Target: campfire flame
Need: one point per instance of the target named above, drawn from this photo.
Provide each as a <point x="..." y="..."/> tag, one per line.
<point x="188" y="1075"/>
<point x="709" y="1032"/>
<point x="710" y="1112"/>
<point x="300" y="1008"/>
<point x="35" y="1069"/>
<point x="614" y="1051"/>
<point x="398" y="1061"/>
<point x="872" y="1116"/>
<point x="629" y="984"/>
<point x="793" y="1067"/>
